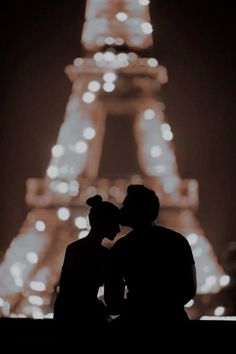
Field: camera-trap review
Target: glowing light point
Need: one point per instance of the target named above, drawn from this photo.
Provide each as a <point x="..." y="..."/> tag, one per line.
<point x="144" y="2"/>
<point x="73" y="188"/>
<point x="192" y="238"/>
<point x="155" y="151"/>
<point x="37" y="286"/>
<point x="81" y="147"/>
<point x="58" y="150"/>
<point x="119" y="41"/>
<point x="109" y="56"/>
<point x="89" y="133"/>
<point x="121" y="16"/>
<point x="63" y="188"/>
<point x="81" y="222"/>
<point x="132" y="56"/>
<point x="16" y="270"/>
<point x="83" y="234"/>
<point x="152" y="62"/>
<point x="109" y="40"/>
<point x="37" y="315"/>
<point x="166" y="132"/>
<point x="165" y="127"/>
<point x="32" y="257"/>
<point x="108" y="87"/>
<point x="149" y="114"/>
<point x="109" y="77"/>
<point x="94" y="86"/>
<point x="78" y="61"/>
<point x="224" y="280"/>
<point x="40" y="225"/>
<point x="189" y="304"/>
<point x="88" y="97"/>
<point x="122" y="57"/>
<point x="167" y="135"/>
<point x="63" y="213"/>
<point x="35" y="300"/>
<point x="219" y="311"/>
<point x="52" y="171"/>
<point x="146" y="27"/>
<point x="98" y="56"/>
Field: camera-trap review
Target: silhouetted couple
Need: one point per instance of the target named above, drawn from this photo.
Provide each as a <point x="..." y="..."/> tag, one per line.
<point x="148" y="275"/>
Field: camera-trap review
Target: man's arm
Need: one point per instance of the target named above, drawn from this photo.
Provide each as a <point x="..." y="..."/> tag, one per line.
<point x="191" y="285"/>
<point x="189" y="277"/>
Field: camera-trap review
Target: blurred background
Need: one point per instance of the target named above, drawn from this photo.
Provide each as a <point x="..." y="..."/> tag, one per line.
<point x="194" y="41"/>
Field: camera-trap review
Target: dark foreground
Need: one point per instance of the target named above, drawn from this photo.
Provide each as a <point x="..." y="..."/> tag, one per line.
<point x="43" y="334"/>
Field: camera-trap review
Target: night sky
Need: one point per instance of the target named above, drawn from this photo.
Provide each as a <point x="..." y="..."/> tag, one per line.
<point x="194" y="40"/>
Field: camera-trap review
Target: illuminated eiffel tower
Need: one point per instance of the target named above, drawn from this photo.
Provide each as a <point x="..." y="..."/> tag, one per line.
<point x="114" y="133"/>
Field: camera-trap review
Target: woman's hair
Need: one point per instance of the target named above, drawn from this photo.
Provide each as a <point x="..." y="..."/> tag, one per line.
<point x="101" y="210"/>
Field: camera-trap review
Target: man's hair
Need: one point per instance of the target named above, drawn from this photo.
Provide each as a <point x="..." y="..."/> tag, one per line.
<point x="145" y="199"/>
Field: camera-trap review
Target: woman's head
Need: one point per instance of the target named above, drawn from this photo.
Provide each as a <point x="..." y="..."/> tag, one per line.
<point x="104" y="216"/>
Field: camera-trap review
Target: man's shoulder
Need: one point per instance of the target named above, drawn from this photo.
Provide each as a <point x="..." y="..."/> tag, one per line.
<point x="166" y="230"/>
<point x="171" y="234"/>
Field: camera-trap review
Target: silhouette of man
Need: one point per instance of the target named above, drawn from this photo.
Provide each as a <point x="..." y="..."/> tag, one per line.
<point x="155" y="265"/>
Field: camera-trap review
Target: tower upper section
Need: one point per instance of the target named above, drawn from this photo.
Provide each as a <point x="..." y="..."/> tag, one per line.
<point x="117" y="23"/>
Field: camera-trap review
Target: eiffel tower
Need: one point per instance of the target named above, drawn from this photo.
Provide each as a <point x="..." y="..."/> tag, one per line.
<point x="114" y="133"/>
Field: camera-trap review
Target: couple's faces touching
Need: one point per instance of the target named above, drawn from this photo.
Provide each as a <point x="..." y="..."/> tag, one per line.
<point x="112" y="227"/>
<point x="128" y="217"/>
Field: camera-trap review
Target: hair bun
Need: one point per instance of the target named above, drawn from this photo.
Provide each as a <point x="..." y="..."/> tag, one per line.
<point x="94" y="201"/>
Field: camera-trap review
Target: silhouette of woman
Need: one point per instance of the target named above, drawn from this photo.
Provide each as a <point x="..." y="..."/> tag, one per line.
<point x="83" y="271"/>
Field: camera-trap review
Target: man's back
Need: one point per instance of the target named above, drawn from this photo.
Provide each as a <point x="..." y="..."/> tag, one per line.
<point x="156" y="265"/>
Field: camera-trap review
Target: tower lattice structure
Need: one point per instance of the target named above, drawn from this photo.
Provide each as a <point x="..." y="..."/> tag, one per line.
<point x="114" y="133"/>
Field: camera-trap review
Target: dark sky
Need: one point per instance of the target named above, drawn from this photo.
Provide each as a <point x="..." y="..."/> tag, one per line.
<point x="195" y="41"/>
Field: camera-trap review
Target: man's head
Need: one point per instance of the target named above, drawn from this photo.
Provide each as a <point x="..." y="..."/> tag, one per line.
<point x="140" y="206"/>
